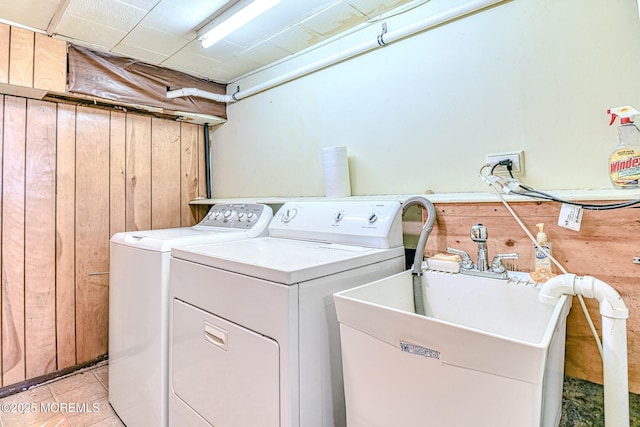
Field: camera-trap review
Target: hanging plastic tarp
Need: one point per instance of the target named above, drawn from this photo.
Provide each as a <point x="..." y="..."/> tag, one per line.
<point x="128" y="81"/>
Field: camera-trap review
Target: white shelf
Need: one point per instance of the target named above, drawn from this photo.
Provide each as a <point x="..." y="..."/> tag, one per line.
<point x="281" y="200"/>
<point x="479" y="197"/>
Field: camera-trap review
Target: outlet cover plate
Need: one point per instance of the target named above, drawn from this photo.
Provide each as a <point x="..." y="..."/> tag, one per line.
<point x="516" y="157"/>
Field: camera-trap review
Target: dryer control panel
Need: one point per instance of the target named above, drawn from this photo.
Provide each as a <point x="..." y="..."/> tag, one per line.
<point x="374" y="224"/>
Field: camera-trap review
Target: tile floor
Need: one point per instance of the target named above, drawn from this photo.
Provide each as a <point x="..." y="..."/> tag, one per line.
<point x="77" y="400"/>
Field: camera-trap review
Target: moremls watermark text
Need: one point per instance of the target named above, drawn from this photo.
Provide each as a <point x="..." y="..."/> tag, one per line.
<point x="55" y="407"/>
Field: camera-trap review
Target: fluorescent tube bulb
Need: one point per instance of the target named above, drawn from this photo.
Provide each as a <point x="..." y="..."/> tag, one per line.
<point x="235" y="21"/>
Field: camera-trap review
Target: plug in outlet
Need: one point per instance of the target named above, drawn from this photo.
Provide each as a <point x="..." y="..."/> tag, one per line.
<point x="517" y="160"/>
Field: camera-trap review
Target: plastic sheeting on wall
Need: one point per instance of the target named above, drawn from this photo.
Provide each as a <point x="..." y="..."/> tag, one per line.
<point x="127" y="80"/>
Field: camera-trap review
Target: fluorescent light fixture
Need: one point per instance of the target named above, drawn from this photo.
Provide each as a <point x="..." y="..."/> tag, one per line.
<point x="218" y="29"/>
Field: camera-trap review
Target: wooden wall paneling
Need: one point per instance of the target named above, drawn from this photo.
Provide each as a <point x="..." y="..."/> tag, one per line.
<point x="92" y="233"/>
<point x="13" y="243"/>
<point x="138" y="172"/>
<point x="117" y="183"/>
<point x="21" y="57"/>
<point x="188" y="173"/>
<point x="50" y="63"/>
<point x="65" y="236"/>
<point x="40" y="236"/>
<point x="165" y="174"/>
<point x="5" y="37"/>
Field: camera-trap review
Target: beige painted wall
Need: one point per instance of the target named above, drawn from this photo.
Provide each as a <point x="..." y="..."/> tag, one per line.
<point x="422" y="113"/>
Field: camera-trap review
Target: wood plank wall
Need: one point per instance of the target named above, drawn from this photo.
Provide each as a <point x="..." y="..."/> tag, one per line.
<point x="32" y="60"/>
<point x="71" y="177"/>
<point x="604" y="248"/>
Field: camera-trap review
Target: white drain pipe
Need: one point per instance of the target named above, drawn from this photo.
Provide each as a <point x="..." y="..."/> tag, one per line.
<point x="383" y="39"/>
<point x="614" y="338"/>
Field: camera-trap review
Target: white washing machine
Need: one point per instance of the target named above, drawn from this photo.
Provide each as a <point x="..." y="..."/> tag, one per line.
<point x="254" y="336"/>
<point x="139" y="306"/>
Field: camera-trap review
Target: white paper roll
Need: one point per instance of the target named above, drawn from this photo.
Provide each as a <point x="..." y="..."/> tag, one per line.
<point x="335" y="165"/>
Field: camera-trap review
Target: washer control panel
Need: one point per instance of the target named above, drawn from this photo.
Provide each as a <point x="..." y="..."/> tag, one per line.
<point x="242" y="216"/>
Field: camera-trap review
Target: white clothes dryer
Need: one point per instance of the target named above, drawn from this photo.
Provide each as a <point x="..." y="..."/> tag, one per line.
<point x="254" y="336"/>
<point x="139" y="306"/>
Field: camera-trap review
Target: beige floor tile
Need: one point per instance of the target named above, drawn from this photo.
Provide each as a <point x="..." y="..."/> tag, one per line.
<point x="100" y="411"/>
<point x="80" y="400"/>
<point x="87" y="395"/>
<point x="73" y="382"/>
<point x="57" y="421"/>
<point x="102" y="373"/>
<point x="109" y="422"/>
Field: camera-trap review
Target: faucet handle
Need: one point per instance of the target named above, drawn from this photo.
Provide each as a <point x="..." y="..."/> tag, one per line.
<point x="479" y="233"/>
<point x="497" y="266"/>
<point x="466" y="259"/>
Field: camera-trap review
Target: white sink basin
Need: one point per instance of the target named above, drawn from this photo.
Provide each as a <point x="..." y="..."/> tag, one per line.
<point x="487" y="353"/>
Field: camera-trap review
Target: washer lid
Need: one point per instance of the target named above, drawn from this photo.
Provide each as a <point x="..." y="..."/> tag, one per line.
<point x="179" y="233"/>
<point x="164" y="240"/>
<point x="284" y="261"/>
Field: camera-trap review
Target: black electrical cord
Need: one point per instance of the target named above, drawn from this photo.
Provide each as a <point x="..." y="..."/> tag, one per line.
<point x="531" y="192"/>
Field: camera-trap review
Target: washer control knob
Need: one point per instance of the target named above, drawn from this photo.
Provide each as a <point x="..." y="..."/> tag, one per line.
<point x="217" y="215"/>
<point x="339" y="216"/>
<point x="251" y="217"/>
<point x="242" y="216"/>
<point x="229" y="215"/>
<point x="372" y="218"/>
<point x="289" y="215"/>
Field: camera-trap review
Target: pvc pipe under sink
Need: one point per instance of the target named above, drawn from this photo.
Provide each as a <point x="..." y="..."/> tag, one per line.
<point x="614" y="338"/>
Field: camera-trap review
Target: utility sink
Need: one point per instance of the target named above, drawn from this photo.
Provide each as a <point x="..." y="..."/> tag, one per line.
<point x="486" y="353"/>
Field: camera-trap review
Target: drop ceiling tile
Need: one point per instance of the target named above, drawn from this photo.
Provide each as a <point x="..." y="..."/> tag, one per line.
<point x="145" y="5"/>
<point x="296" y="39"/>
<point x="135" y="51"/>
<point x="279" y="19"/>
<point x="375" y="8"/>
<point x="107" y="13"/>
<point x="265" y="53"/>
<point x="337" y="19"/>
<point x="188" y="60"/>
<point x="238" y="66"/>
<point x="182" y="21"/>
<point x="89" y="32"/>
<point x="154" y="40"/>
<point x="261" y="28"/>
<point x="292" y="12"/>
<point x="221" y="51"/>
<point x="220" y="76"/>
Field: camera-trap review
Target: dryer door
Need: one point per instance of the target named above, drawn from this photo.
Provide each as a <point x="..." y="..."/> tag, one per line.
<point x="224" y="372"/>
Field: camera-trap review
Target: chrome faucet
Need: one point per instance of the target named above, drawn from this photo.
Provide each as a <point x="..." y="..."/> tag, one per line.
<point x="482" y="267"/>
<point x="479" y="235"/>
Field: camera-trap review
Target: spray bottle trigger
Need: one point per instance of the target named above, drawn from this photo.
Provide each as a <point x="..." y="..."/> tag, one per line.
<point x="613" y="117"/>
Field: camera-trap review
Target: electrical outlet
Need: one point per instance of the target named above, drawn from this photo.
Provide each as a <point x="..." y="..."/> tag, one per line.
<point x="517" y="160"/>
